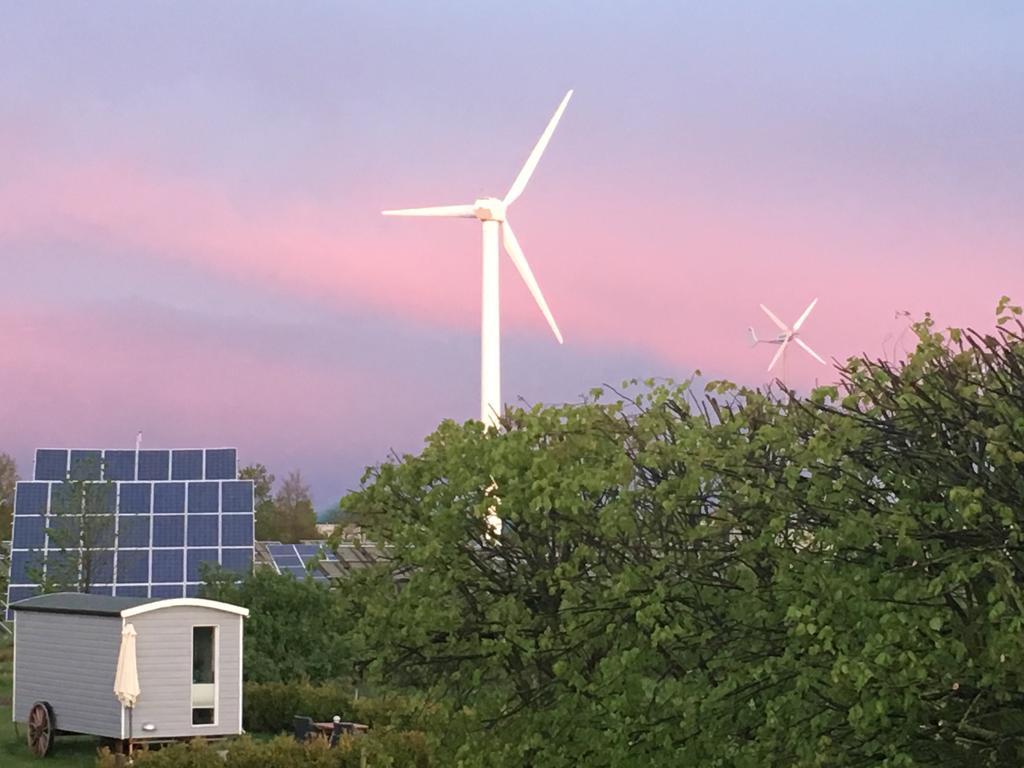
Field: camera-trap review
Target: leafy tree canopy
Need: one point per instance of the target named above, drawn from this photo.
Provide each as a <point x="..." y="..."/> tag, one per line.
<point x="297" y="629"/>
<point x="742" y="579"/>
<point x="8" y="483"/>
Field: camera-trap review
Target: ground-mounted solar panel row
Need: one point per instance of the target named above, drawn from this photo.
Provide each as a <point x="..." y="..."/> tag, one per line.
<point x="133" y="523"/>
<point x="297" y="559"/>
<point x="317" y="560"/>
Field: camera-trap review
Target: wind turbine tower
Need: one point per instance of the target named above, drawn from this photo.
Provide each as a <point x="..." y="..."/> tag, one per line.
<point x="492" y="213"/>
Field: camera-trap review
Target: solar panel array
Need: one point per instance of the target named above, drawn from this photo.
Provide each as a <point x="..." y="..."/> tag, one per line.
<point x="145" y="526"/>
<point x="293" y="558"/>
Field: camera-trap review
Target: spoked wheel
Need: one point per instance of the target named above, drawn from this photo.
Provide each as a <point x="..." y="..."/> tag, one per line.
<point x="40" y="729"/>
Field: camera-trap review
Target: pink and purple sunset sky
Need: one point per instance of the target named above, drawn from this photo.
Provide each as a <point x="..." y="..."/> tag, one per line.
<point x="191" y="243"/>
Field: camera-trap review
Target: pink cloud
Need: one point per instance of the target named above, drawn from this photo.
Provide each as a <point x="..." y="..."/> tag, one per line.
<point x="632" y="264"/>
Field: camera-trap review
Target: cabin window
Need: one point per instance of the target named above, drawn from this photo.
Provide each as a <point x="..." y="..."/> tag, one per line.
<point x="204" y="675"/>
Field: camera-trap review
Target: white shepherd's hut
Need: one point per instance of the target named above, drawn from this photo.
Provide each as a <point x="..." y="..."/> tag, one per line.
<point x="75" y="669"/>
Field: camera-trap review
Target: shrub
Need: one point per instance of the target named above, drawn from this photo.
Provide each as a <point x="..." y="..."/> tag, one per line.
<point x="194" y="754"/>
<point x="270" y="707"/>
<point x="298" y="629"/>
<point x="389" y="750"/>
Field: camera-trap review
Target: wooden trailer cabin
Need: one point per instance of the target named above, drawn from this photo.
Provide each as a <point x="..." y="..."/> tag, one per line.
<point x="187" y="653"/>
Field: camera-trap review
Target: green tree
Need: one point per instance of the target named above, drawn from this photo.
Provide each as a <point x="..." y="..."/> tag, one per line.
<point x="746" y="579"/>
<point x="296" y="518"/>
<point x="298" y="629"/>
<point x="267" y="523"/>
<point x="8" y="483"/>
<point x="82" y="529"/>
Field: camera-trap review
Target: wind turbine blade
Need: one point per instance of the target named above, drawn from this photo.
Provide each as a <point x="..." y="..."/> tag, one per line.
<point x="516" y="254"/>
<point x="810" y="351"/>
<point x="778" y="354"/>
<point x="457" y="211"/>
<point x="782" y="325"/>
<point x="531" y="162"/>
<point x="798" y="323"/>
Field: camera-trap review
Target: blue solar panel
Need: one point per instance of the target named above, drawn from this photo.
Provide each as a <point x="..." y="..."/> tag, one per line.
<point x="131" y="591"/>
<point x="203" y="498"/>
<point x="237" y="497"/>
<point x="166" y="591"/>
<point x="119" y="465"/>
<point x="29" y="533"/>
<point x="51" y="464"/>
<point x="168" y="565"/>
<point x="132" y="566"/>
<point x="63" y="499"/>
<point x="100" y="498"/>
<point x="96" y="589"/>
<point x="154" y="465"/>
<point x="238" y="560"/>
<point x="169" y="531"/>
<point x="135" y="498"/>
<point x="293" y="559"/>
<point x="168" y="498"/>
<point x="141" y="529"/>
<point x="196" y="558"/>
<point x="236" y="531"/>
<point x="100" y="532"/>
<point x="186" y="465"/>
<point x="26" y="567"/>
<point x="100" y="566"/>
<point x="221" y="464"/>
<point x="31" y="498"/>
<point x="203" y="530"/>
<point x="133" y="531"/>
<point x="63" y="531"/>
<point x="86" y="465"/>
<point x="191" y="590"/>
<point x="62" y="567"/>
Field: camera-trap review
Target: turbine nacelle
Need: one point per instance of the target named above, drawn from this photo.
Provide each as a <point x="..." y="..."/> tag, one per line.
<point x="489" y="209"/>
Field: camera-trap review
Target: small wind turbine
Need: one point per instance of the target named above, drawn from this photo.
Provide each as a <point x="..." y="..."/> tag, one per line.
<point x="788" y="334"/>
<point x="493" y="214"/>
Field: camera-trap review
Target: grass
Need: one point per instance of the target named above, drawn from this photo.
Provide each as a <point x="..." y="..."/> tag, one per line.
<point x="68" y="751"/>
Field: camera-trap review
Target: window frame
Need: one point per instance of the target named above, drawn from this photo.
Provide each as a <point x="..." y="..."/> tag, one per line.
<point x="216" y="676"/>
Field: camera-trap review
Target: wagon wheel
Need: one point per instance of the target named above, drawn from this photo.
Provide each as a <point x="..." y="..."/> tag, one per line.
<point x="41" y="729"/>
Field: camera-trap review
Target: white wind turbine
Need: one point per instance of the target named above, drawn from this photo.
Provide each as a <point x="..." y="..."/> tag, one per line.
<point x="493" y="214"/>
<point x="788" y="334"/>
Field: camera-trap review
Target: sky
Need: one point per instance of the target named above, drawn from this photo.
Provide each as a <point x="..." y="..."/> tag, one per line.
<point x="190" y="192"/>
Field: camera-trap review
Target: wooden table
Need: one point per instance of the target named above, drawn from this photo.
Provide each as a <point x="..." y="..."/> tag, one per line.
<point x="328" y="728"/>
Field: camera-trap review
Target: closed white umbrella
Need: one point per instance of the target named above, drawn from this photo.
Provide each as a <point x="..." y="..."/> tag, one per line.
<point x="126" y="681"/>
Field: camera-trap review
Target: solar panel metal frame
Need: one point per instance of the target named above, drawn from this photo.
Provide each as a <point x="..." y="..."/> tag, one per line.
<point x="32" y="531"/>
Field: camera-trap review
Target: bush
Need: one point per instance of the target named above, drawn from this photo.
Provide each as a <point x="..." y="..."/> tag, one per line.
<point x="194" y="754"/>
<point x="298" y="629"/>
<point x="270" y="707"/>
<point x="389" y="750"/>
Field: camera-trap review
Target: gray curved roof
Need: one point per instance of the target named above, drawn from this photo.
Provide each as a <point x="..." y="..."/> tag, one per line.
<point x="79" y="602"/>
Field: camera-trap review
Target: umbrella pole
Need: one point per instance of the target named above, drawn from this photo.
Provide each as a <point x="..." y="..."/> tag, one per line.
<point x="130" y="710"/>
